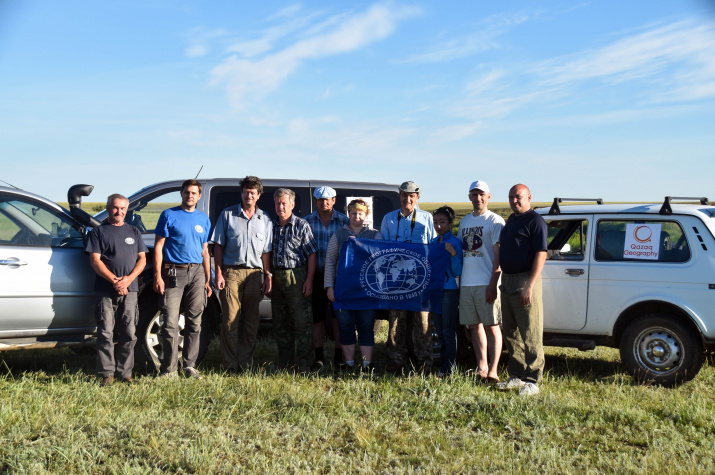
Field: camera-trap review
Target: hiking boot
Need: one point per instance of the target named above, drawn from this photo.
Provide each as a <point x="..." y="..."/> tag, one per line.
<point x="511" y="383"/>
<point x="128" y="380"/>
<point x="107" y="381"/>
<point x="529" y="389"/>
<point x="190" y="372"/>
<point x="395" y="368"/>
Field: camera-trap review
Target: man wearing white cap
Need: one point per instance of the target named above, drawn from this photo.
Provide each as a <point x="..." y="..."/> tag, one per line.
<point x="324" y="221"/>
<point x="409" y="224"/>
<point x="479" y="307"/>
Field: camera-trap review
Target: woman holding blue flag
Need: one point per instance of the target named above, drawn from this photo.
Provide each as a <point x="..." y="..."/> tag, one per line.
<point x="349" y="320"/>
<point x="446" y="322"/>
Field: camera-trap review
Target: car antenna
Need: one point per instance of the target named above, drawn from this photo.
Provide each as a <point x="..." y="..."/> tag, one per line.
<point x="197" y="175"/>
<point x="8" y="184"/>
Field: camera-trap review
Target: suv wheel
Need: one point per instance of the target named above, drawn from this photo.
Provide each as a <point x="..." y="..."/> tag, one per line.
<point x="657" y="348"/>
<point x="148" y="352"/>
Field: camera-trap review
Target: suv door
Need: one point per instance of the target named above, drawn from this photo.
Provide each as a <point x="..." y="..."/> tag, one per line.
<point x="566" y="272"/>
<point x="46" y="281"/>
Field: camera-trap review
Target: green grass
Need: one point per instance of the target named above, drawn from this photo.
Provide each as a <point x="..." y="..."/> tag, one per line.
<point x="588" y="418"/>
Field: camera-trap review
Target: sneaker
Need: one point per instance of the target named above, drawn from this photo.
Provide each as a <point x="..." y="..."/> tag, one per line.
<point x="171" y="375"/>
<point x="190" y="372"/>
<point x="108" y="381"/>
<point x="511" y="383"/>
<point x="529" y="389"/>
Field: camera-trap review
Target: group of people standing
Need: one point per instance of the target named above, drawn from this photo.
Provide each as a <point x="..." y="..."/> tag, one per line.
<point x="494" y="278"/>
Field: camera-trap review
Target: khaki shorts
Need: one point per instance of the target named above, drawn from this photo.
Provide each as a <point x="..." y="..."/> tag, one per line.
<point x="474" y="309"/>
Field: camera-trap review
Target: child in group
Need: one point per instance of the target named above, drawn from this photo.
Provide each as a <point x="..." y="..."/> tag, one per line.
<point x="446" y="321"/>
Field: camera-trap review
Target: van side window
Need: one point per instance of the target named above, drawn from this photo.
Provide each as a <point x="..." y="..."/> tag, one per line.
<point x="567" y="239"/>
<point x="640" y="240"/>
<point x="144" y="214"/>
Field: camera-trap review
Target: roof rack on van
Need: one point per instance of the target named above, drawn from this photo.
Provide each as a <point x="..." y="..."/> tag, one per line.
<point x="555" y="206"/>
<point x="666" y="209"/>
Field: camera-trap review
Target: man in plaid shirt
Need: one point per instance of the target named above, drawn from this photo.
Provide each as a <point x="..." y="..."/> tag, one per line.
<point x="324" y="221"/>
<point x="293" y="264"/>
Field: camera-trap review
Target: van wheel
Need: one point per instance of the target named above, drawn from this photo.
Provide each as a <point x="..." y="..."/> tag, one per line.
<point x="657" y="348"/>
<point x="148" y="351"/>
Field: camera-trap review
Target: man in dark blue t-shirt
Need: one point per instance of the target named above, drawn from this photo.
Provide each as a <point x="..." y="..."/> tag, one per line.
<point x="118" y="255"/>
<point x="522" y="253"/>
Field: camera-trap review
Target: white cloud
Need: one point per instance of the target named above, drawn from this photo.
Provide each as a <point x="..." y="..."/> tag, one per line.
<point x="676" y="61"/>
<point x="200" y="40"/>
<point x="247" y="80"/>
<point x="483" y="39"/>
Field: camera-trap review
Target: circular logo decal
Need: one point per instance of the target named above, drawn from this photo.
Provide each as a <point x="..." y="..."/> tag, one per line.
<point x="395" y="271"/>
<point x="198" y="228"/>
<point x="129" y="241"/>
<point x="642" y="234"/>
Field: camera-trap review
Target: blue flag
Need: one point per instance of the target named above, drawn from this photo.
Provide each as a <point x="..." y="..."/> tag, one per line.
<point x="375" y="274"/>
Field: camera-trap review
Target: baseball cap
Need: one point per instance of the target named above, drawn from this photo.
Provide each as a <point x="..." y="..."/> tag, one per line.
<point x="479" y="185"/>
<point x="322" y="192"/>
<point x="410" y="187"/>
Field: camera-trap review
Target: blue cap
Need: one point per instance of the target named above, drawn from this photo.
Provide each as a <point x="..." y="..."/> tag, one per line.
<point x="324" y="192"/>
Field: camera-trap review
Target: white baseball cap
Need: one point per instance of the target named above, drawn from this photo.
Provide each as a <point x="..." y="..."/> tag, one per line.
<point x="479" y="185"/>
<point x="323" y="192"/>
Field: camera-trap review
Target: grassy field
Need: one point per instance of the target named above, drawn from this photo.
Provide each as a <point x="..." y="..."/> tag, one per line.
<point x="588" y="418"/>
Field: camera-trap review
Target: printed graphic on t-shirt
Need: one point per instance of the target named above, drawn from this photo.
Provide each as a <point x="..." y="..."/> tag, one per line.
<point x="199" y="228"/>
<point x="129" y="241"/>
<point x="472" y="241"/>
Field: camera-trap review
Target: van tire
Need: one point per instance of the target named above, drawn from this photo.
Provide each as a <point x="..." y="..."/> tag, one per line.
<point x="659" y="349"/>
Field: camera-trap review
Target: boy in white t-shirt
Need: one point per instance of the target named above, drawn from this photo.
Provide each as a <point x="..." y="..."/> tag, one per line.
<point x="479" y="307"/>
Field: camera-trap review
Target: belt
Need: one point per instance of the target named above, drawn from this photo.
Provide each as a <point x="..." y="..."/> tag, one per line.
<point x="171" y="265"/>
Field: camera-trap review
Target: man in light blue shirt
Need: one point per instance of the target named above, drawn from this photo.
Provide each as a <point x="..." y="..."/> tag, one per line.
<point x="409" y="224"/>
<point x="242" y="254"/>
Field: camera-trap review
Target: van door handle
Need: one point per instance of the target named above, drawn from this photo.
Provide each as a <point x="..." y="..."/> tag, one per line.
<point x="12" y="262"/>
<point x="574" y="272"/>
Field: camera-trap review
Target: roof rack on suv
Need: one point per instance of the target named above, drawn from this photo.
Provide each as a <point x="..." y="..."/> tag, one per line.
<point x="555" y="206"/>
<point x="666" y="209"/>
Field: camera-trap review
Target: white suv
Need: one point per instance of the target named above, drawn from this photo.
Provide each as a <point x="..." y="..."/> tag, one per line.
<point x="640" y="278"/>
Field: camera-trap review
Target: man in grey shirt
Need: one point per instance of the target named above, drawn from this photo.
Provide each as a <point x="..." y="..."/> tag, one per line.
<point x="242" y="256"/>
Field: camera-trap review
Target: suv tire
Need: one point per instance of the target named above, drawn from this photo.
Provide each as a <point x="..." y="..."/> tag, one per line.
<point x="658" y="348"/>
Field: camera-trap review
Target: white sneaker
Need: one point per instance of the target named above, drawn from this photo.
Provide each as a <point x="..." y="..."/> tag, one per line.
<point x="171" y="375"/>
<point x="529" y="389"/>
<point x="190" y="372"/>
<point x="511" y="383"/>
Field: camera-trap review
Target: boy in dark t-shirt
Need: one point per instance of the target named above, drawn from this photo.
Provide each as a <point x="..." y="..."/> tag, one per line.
<point x="118" y="255"/>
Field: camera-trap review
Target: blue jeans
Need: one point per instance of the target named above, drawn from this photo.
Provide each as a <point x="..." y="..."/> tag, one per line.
<point x="364" y="320"/>
<point x="446" y="326"/>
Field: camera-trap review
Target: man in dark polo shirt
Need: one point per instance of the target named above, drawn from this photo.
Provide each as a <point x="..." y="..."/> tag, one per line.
<point x="293" y="262"/>
<point x="522" y="253"/>
<point x="324" y="221"/>
<point x="118" y="255"/>
<point x="182" y="275"/>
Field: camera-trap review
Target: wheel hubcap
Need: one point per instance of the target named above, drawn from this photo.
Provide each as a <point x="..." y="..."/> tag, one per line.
<point x="658" y="350"/>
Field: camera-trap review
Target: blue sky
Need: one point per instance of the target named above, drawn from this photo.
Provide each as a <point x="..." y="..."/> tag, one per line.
<point x="605" y="98"/>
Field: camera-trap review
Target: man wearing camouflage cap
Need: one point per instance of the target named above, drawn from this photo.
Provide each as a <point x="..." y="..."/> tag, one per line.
<point x="409" y="224"/>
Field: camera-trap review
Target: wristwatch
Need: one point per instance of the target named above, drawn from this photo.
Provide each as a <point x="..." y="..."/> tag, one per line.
<point x="268" y="274"/>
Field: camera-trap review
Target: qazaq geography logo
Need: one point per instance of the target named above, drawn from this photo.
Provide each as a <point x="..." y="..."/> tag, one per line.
<point x="642" y="234"/>
<point x="395" y="274"/>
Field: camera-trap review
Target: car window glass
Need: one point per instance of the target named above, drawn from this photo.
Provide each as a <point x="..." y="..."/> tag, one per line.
<point x="627" y="240"/>
<point x="144" y="213"/>
<point x="8" y="229"/>
<point x="38" y="226"/>
<point x="567" y="239"/>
